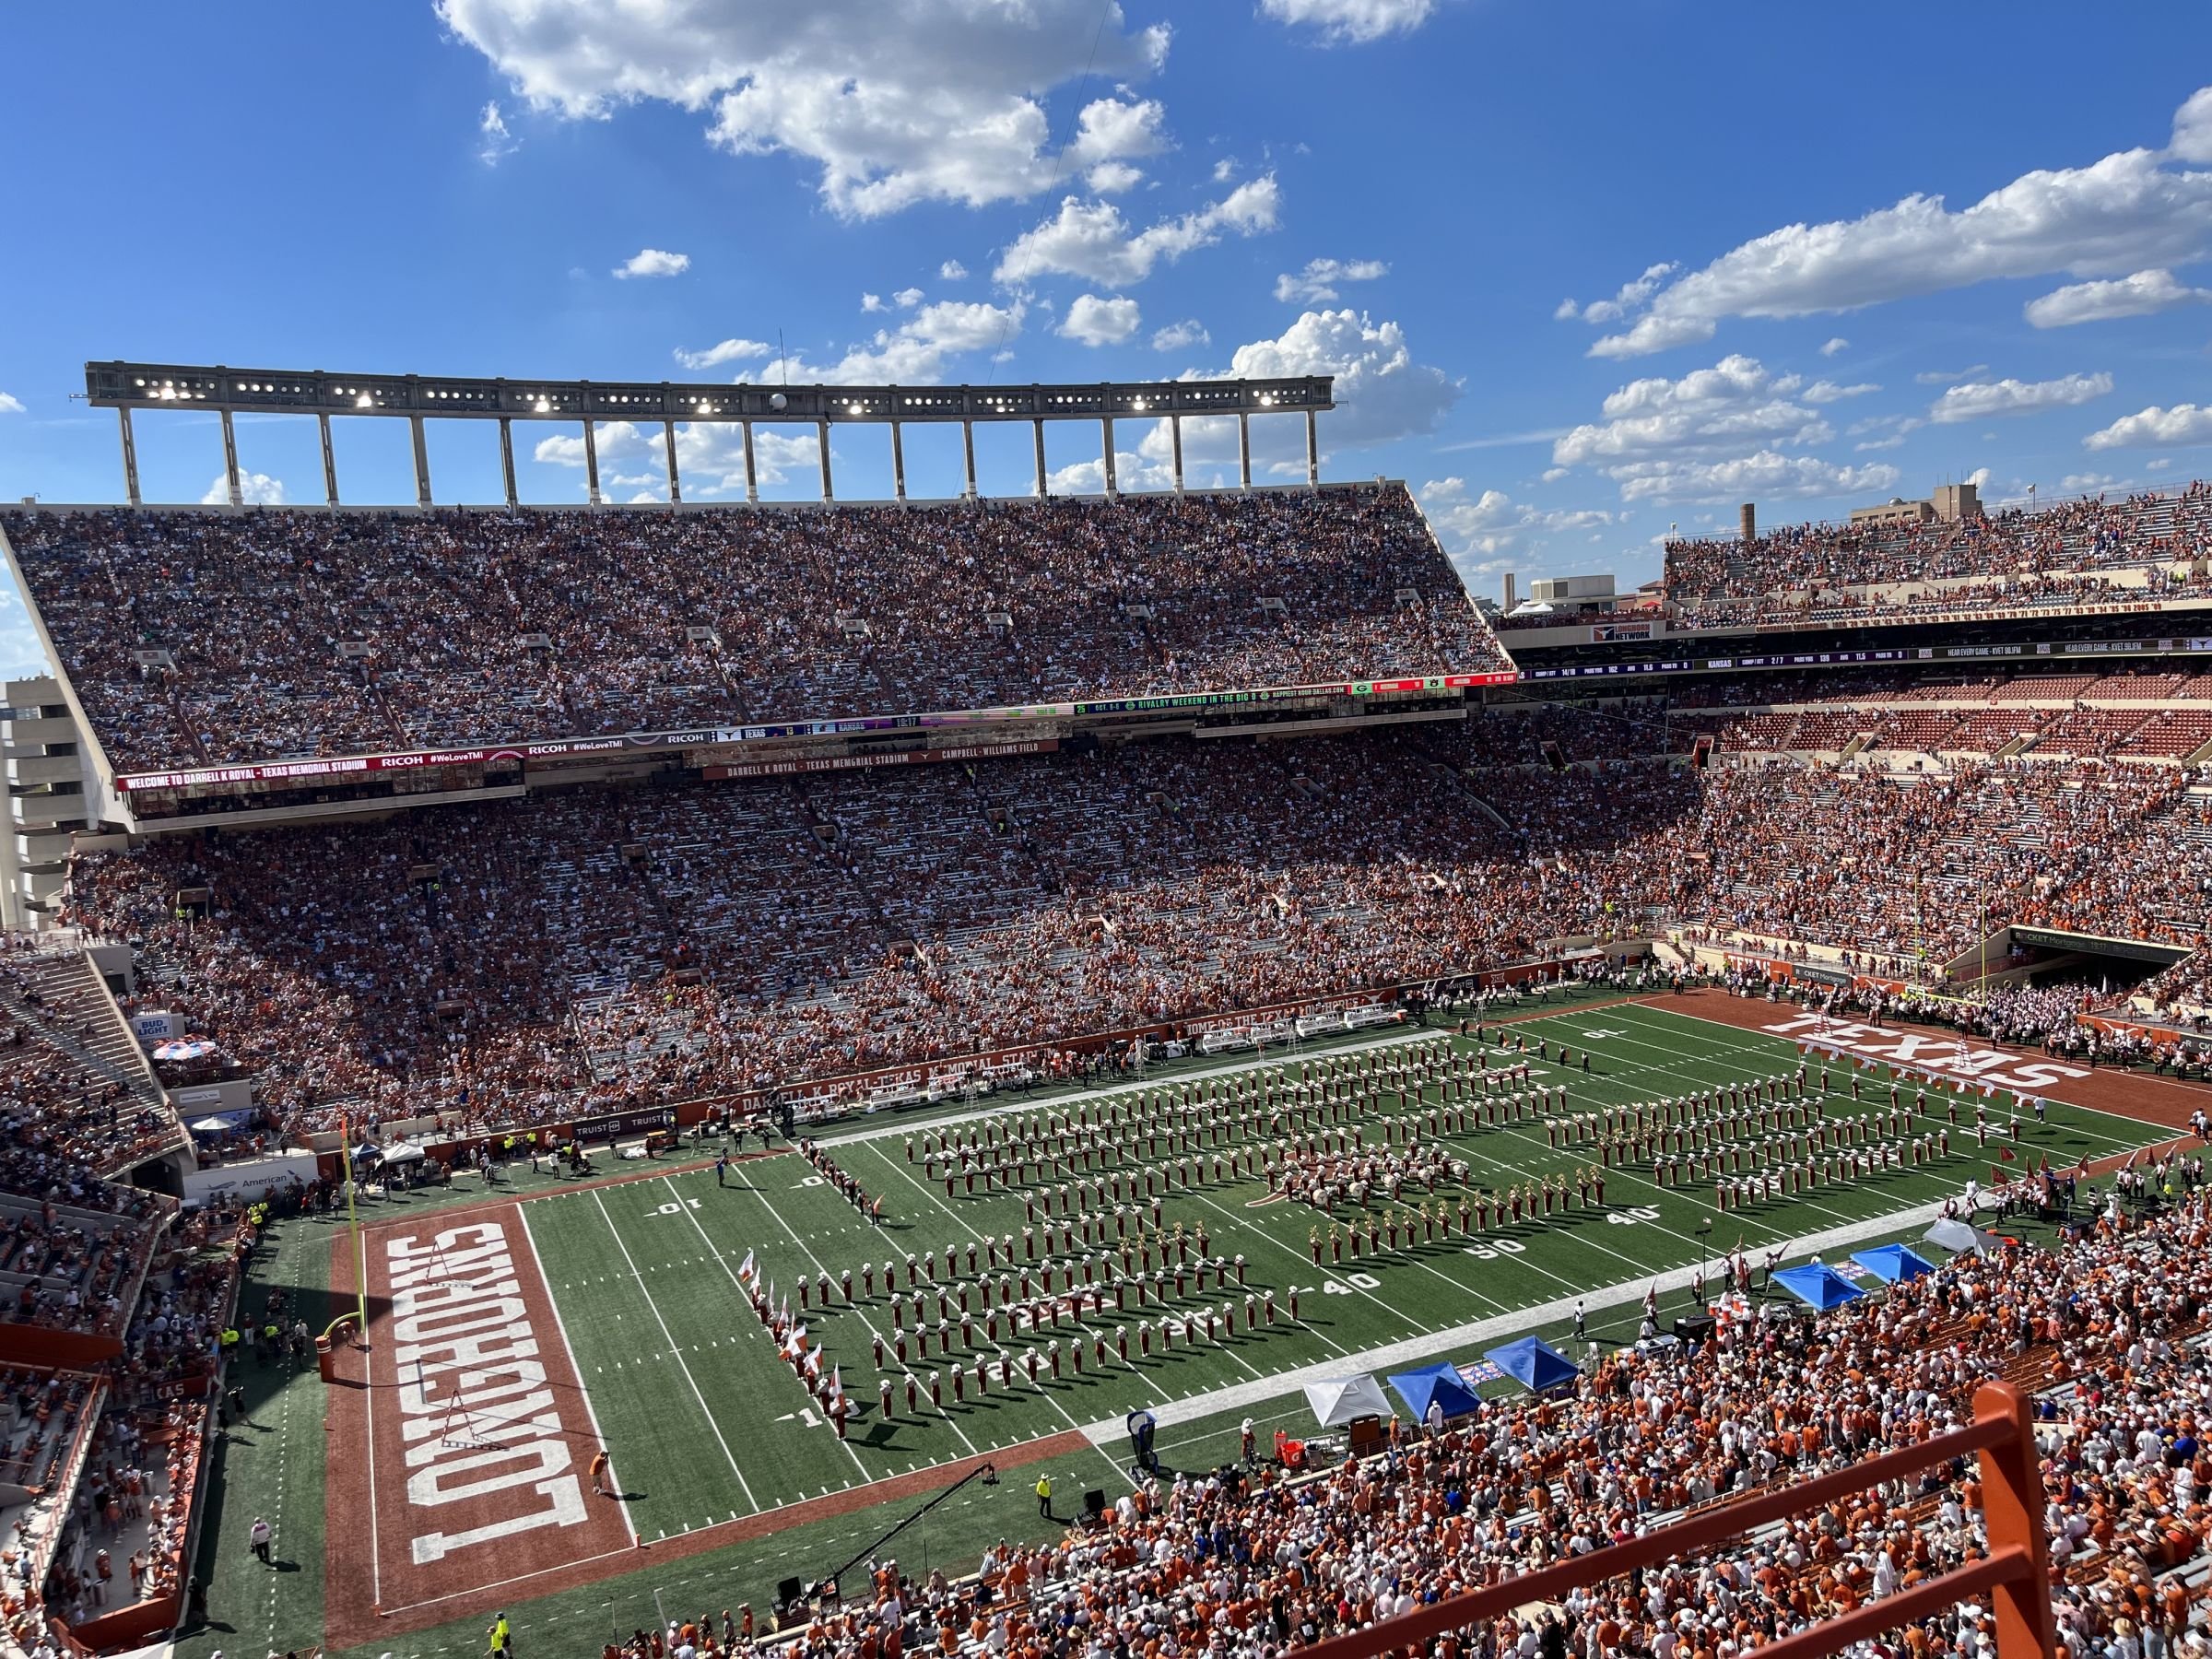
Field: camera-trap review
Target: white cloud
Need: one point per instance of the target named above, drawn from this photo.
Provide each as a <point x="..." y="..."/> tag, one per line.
<point x="906" y="299"/>
<point x="725" y="351"/>
<point x="1630" y="296"/>
<point x="929" y="100"/>
<point x="651" y="262"/>
<point x="1979" y="477"/>
<point x="1225" y="170"/>
<point x="1828" y="392"/>
<point x="1352" y="22"/>
<point x="495" y="143"/>
<point x="1382" y="394"/>
<point x="1839" y="344"/>
<point x="1112" y="130"/>
<point x="2089" y="482"/>
<point x="2136" y="296"/>
<point x="1479" y="527"/>
<point x="1980" y="399"/>
<point x="1895" y="441"/>
<point x="2156" y="427"/>
<point x="1767" y="475"/>
<point x="2193" y="128"/>
<point x="1949" y="377"/>
<point x="1093" y="241"/>
<point x="871" y="302"/>
<point x="1708" y="411"/>
<point x="912" y="354"/>
<point x="1552" y="475"/>
<point x="1486" y="524"/>
<point x="256" y="489"/>
<point x="952" y="270"/>
<point x="2128" y="212"/>
<point x="1181" y="336"/>
<point x="1097" y="321"/>
<point x="2160" y="464"/>
<point x="1131" y="471"/>
<point x="1318" y="281"/>
<point x="710" y="454"/>
<point x="13" y="405"/>
<point x="1112" y="178"/>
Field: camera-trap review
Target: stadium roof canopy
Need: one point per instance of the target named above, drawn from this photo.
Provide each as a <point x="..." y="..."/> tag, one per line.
<point x="128" y="387"/>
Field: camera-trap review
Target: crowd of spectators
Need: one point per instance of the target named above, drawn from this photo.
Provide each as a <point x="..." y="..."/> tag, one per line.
<point x="502" y="963"/>
<point x="2067" y="554"/>
<point x="60" y="1096"/>
<point x="193" y="638"/>
<point x="1260" y="1560"/>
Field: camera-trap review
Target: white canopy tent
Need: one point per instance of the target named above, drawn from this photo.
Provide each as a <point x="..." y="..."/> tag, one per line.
<point x="1958" y="1236"/>
<point x="1337" y="1401"/>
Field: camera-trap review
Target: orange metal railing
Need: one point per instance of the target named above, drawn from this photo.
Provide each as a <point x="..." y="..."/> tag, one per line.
<point x="2016" y="1572"/>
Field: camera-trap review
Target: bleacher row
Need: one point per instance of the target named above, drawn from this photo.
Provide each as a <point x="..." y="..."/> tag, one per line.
<point x="2165" y="717"/>
<point x="2087" y="551"/>
<point x="518" y="961"/>
<point x="196" y="638"/>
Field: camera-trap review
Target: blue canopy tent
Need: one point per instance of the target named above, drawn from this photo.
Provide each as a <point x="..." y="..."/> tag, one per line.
<point x="1821" y="1288"/>
<point x="1534" y="1363"/>
<point x="1433" y="1385"/>
<point x="1892" y="1263"/>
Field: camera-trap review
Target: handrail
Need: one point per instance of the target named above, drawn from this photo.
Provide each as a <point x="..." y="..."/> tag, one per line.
<point x="2017" y="1570"/>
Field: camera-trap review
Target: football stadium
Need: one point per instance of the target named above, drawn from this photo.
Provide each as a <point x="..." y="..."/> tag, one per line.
<point x="1123" y="1057"/>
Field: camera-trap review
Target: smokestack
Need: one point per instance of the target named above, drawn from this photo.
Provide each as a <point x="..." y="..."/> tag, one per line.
<point x="1508" y="590"/>
<point x="1748" y="528"/>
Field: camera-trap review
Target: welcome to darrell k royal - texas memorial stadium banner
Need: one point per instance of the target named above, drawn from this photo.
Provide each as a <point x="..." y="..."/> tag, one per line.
<point x="335" y="766"/>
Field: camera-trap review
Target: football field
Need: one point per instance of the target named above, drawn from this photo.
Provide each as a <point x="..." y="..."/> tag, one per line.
<point x="706" y="1422"/>
<point x="632" y="1295"/>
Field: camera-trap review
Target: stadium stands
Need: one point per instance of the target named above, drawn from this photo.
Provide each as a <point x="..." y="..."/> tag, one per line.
<point x="2146" y="546"/>
<point x="194" y="638"/>
<point x="73" y="1084"/>
<point x="515" y="960"/>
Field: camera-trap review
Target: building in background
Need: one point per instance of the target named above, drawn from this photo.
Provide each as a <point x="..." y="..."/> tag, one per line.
<point x="51" y="790"/>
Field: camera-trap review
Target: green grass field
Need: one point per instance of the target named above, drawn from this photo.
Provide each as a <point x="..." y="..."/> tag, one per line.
<point x="707" y="1424"/>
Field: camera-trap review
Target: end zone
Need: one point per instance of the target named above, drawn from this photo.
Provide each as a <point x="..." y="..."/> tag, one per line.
<point x="461" y="1435"/>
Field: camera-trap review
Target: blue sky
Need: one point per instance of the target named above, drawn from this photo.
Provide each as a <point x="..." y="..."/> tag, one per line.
<point x="1815" y="257"/>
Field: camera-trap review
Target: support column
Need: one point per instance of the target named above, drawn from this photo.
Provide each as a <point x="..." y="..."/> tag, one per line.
<point x="752" y="483"/>
<point x="898" y="463"/>
<point x="330" y="461"/>
<point x="591" y="460"/>
<point x="130" y="456"/>
<point x="1175" y="442"/>
<point x="968" y="457"/>
<point x="506" y="459"/>
<point x="1243" y="449"/>
<point x="1042" y="490"/>
<point x="230" y="477"/>
<point x="821" y="433"/>
<point x="422" y="464"/>
<point x="675" y="485"/>
<point x="1312" y="453"/>
<point x="1106" y="430"/>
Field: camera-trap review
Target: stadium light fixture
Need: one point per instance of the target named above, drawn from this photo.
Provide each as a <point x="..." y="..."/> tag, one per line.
<point x="543" y="406"/>
<point x="364" y="402"/>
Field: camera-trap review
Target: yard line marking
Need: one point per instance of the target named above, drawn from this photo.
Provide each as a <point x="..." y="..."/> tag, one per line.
<point x="866" y="1324"/>
<point x="1426" y="1346"/>
<point x="1044" y="1394"/>
<point x="679" y="1358"/>
<point x="561" y="1325"/>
